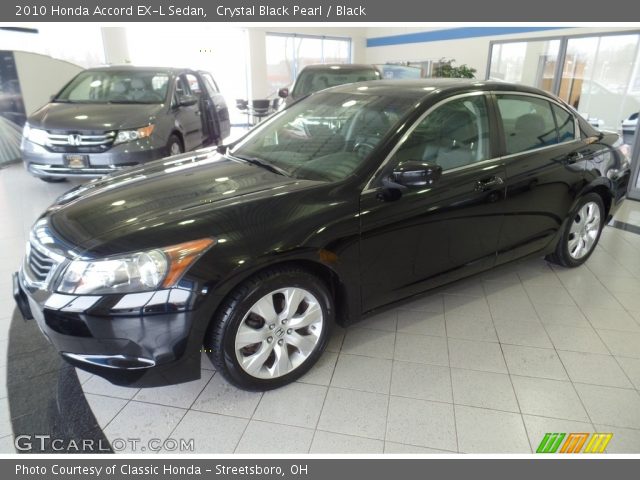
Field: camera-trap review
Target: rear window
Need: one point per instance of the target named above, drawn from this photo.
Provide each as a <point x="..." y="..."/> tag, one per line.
<point x="310" y="81"/>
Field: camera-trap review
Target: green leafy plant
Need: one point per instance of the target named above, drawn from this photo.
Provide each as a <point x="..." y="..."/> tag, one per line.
<point x="446" y="69"/>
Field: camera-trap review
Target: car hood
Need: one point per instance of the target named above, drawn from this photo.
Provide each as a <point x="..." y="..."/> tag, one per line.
<point x="88" y="116"/>
<point x="165" y="202"/>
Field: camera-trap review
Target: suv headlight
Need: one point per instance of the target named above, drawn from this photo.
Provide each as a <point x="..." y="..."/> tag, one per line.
<point x="132" y="273"/>
<point x="132" y="135"/>
<point x="35" y="135"/>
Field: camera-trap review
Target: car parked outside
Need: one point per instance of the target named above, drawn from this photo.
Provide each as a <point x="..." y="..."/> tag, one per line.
<point x="314" y="78"/>
<point x="113" y="117"/>
<point x="352" y="199"/>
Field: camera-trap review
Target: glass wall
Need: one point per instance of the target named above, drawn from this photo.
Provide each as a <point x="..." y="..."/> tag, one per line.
<point x="599" y="75"/>
<point x="597" y="78"/>
<point x="529" y="63"/>
<point x="288" y="54"/>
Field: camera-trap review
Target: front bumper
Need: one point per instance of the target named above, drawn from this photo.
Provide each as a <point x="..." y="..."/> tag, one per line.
<point x="141" y="340"/>
<point x="41" y="162"/>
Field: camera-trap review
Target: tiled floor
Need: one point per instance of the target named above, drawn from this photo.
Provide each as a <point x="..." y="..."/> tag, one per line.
<point x="488" y="364"/>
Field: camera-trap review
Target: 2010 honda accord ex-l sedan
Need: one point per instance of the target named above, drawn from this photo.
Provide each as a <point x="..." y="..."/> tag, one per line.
<point x="349" y="200"/>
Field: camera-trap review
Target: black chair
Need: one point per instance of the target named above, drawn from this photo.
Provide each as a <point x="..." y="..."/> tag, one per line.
<point x="260" y="109"/>
<point x="243" y="106"/>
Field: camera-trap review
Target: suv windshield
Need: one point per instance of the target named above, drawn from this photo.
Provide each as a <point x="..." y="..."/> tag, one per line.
<point x="327" y="136"/>
<point x="313" y="80"/>
<point x="113" y="86"/>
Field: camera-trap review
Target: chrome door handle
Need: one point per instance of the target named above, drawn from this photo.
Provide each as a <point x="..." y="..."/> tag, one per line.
<point x="484" y="185"/>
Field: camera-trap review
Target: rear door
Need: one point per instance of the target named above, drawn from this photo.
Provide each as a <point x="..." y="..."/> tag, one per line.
<point x="217" y="110"/>
<point x="545" y="161"/>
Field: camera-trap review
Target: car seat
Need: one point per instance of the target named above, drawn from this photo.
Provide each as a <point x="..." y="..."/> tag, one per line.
<point x="528" y="133"/>
<point x="138" y="89"/>
<point x="457" y="142"/>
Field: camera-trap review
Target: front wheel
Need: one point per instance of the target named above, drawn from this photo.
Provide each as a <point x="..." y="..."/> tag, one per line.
<point x="174" y="145"/>
<point x="581" y="232"/>
<point x="53" y="179"/>
<point x="272" y="329"/>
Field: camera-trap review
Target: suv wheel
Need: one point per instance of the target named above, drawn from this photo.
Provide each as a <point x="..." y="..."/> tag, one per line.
<point x="581" y="232"/>
<point x="174" y="145"/>
<point x="272" y="329"/>
<point x="53" y="179"/>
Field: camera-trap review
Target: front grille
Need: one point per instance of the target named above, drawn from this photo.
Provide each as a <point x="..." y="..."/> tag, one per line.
<point x="80" y="142"/>
<point x="39" y="264"/>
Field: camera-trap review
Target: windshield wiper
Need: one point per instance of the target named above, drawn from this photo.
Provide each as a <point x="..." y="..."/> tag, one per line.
<point x="261" y="163"/>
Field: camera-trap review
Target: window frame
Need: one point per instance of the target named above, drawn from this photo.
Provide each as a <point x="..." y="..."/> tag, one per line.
<point x="496" y="134"/>
<point x="500" y="129"/>
<point x="488" y="113"/>
<point x="375" y="181"/>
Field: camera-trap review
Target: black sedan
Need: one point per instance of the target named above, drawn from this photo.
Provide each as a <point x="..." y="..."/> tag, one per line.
<point x="351" y="199"/>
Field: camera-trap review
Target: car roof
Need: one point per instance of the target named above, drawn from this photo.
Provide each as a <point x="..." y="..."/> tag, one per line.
<point x="428" y="86"/>
<point x="133" y="68"/>
<point x="340" y="66"/>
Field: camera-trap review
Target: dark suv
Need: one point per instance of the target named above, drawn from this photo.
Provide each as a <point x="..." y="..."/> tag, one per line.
<point x="108" y="118"/>
<point x="314" y="78"/>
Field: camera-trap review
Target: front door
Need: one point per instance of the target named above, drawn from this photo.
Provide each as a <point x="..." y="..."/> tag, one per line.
<point x="417" y="238"/>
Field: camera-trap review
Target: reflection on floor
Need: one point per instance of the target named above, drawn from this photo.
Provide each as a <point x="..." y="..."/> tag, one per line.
<point x="489" y="364"/>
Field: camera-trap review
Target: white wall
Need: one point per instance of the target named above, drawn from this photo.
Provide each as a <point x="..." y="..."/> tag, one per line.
<point x="115" y="45"/>
<point x="32" y="69"/>
<point x="471" y="51"/>
<point x="80" y="43"/>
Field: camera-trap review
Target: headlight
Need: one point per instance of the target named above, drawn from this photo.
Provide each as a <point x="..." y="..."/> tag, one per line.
<point x="137" y="272"/>
<point x="132" y="135"/>
<point x="35" y="135"/>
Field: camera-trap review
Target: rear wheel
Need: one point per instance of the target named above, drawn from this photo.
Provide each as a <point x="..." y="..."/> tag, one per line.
<point x="581" y="233"/>
<point x="271" y="329"/>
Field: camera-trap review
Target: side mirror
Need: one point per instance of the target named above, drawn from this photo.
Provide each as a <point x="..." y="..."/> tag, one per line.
<point x="416" y="174"/>
<point x="283" y="92"/>
<point x="188" y="100"/>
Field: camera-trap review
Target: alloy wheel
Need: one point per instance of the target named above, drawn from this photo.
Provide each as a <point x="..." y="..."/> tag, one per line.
<point x="279" y="332"/>
<point x="584" y="230"/>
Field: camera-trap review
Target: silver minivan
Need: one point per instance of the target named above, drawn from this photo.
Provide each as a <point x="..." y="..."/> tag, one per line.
<point x="113" y="117"/>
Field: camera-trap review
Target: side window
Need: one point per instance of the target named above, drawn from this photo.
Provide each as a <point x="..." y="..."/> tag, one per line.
<point x="566" y="124"/>
<point x="210" y="84"/>
<point x="182" y="89"/>
<point x="453" y="135"/>
<point x="527" y="121"/>
<point x="194" y="84"/>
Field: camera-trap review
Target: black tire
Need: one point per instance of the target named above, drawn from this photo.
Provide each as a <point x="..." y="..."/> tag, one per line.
<point x="53" y="179"/>
<point x="221" y="335"/>
<point x="174" y="145"/>
<point x="562" y="256"/>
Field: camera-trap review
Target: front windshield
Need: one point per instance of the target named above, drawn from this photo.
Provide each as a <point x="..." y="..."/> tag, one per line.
<point x="113" y="86"/>
<point x="326" y="136"/>
<point x="313" y="80"/>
